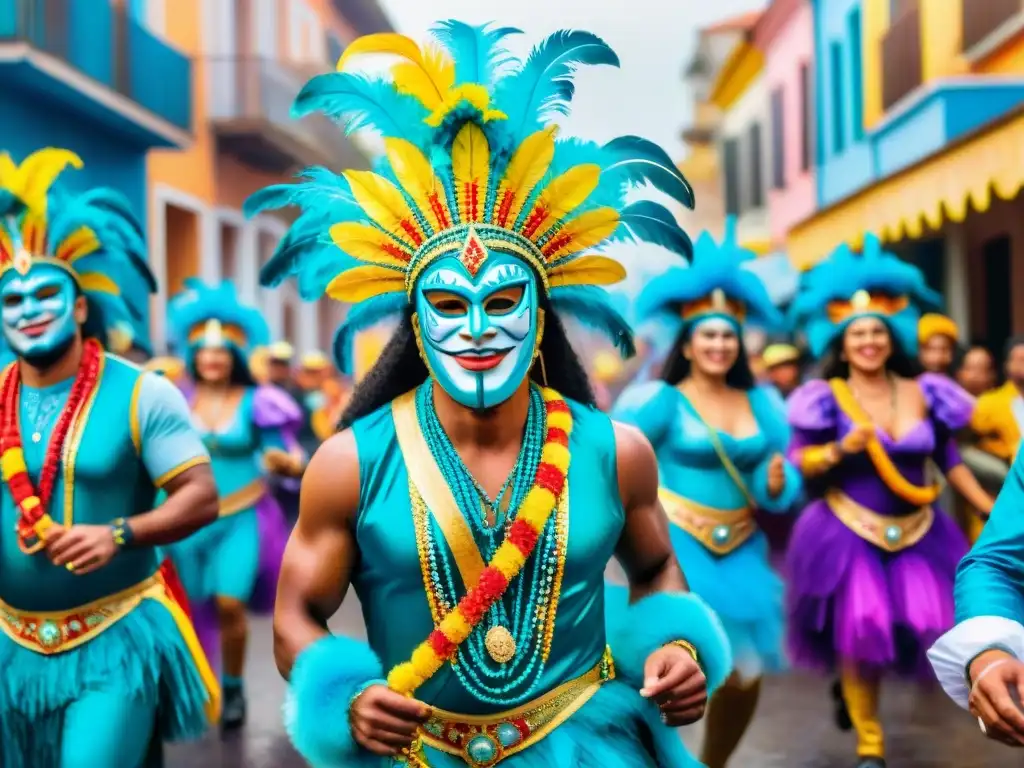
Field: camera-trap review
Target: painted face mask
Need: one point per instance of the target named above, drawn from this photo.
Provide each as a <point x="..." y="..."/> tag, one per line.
<point x="478" y="328"/>
<point x="38" y="312"/>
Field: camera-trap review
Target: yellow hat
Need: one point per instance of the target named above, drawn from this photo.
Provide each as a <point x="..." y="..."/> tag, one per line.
<point x="779" y="354"/>
<point x="315" y="361"/>
<point x="934" y="324"/>
<point x="281" y="352"/>
<point x="607" y="367"/>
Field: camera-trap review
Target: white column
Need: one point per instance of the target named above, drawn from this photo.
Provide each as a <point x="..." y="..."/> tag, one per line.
<point x="248" y="262"/>
<point x="956" y="288"/>
<point x="210" y="256"/>
<point x="158" y="265"/>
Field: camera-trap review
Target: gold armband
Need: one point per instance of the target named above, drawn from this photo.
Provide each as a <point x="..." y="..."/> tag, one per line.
<point x="818" y="459"/>
<point x="688" y="647"/>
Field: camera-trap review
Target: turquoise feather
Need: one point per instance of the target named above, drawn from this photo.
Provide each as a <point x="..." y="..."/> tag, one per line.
<point x="200" y="302"/>
<point x="362" y="316"/>
<point x="477" y="51"/>
<point x="593" y="307"/>
<point x="635" y="161"/>
<point x="652" y="223"/>
<point x="363" y="102"/>
<point x="543" y="87"/>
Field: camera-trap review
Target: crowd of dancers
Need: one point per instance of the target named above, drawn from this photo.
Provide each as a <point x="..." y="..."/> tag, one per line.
<point x="469" y="489"/>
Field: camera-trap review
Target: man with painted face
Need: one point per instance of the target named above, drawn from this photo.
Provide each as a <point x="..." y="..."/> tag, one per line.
<point x="476" y="494"/>
<point x="100" y="661"/>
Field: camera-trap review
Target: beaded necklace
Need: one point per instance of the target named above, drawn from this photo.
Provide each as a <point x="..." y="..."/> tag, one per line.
<point x="33" y="504"/>
<point x="524" y="617"/>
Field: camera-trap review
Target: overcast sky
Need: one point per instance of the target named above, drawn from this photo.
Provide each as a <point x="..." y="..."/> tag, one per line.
<point x="653" y="38"/>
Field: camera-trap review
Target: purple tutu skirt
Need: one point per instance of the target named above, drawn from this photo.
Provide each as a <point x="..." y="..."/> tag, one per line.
<point x="851" y="602"/>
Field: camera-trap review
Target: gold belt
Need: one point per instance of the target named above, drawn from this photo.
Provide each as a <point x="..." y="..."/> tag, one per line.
<point x="485" y="741"/>
<point x="719" y="530"/>
<point x="887" y="532"/>
<point x="58" y="631"/>
<point x="243" y="498"/>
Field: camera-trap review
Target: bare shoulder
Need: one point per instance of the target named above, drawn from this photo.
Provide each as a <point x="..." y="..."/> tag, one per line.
<point x="636" y="463"/>
<point x="330" y="484"/>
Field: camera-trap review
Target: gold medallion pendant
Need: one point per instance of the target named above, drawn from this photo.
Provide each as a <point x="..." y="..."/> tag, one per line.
<point x="500" y="644"/>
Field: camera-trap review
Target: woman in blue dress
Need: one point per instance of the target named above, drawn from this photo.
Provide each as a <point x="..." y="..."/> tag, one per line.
<point x="720" y="443"/>
<point x="249" y="431"/>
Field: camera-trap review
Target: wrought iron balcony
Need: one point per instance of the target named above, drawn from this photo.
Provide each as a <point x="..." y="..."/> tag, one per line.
<point x="901" y="57"/>
<point x="981" y="18"/>
<point x="250" y="103"/>
<point x="92" y="57"/>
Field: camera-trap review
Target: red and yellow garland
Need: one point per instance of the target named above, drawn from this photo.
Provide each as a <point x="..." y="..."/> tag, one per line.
<point x="33" y="518"/>
<point x="508" y="561"/>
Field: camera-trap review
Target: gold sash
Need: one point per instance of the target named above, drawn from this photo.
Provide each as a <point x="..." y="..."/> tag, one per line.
<point x="912" y="494"/>
<point x="719" y="530"/>
<point x="889" y="532"/>
<point x="244" y="498"/>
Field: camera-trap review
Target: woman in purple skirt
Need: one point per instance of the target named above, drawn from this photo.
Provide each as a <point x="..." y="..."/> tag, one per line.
<point x="871" y="561"/>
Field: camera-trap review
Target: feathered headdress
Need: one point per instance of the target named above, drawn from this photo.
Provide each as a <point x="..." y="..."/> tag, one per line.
<point x="472" y="164"/>
<point x="715" y="285"/>
<point x="849" y="285"/>
<point x="205" y="315"/>
<point x="93" y="236"/>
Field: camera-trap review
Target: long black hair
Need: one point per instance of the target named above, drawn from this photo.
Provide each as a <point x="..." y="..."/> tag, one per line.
<point x="677" y="367"/>
<point x="833" y="366"/>
<point x="400" y="368"/>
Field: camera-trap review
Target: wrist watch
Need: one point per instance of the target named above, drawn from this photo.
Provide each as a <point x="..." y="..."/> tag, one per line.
<point x="122" y="533"/>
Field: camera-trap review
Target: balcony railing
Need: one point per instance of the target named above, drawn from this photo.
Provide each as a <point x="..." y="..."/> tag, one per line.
<point x="901" y="57"/>
<point x="250" y="103"/>
<point x="980" y="18"/>
<point x="100" y="40"/>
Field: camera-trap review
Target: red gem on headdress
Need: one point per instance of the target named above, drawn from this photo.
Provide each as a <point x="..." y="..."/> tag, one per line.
<point x="473" y="253"/>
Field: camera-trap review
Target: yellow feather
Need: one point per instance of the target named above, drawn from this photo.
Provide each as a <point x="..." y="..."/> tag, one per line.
<point x="94" y="281"/>
<point x="8" y="171"/>
<point x="416" y="176"/>
<point x="585" y="231"/>
<point x="366" y="243"/>
<point x="362" y="283"/>
<point x="588" y="270"/>
<point x="471" y="158"/>
<point x="564" y="195"/>
<point x="383" y="202"/>
<point x="525" y="170"/>
<point x="39" y="170"/>
<point x="79" y="243"/>
<point x="428" y="74"/>
<point x="477" y="95"/>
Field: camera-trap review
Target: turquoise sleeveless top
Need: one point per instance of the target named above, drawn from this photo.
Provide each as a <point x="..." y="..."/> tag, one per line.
<point x="688" y="462"/>
<point x="389" y="582"/>
<point x="234" y="451"/>
<point x="132" y="436"/>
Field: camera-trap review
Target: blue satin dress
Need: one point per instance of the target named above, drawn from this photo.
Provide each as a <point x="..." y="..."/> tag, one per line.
<point x="65" y="704"/>
<point x="615" y="728"/>
<point x="738" y="584"/>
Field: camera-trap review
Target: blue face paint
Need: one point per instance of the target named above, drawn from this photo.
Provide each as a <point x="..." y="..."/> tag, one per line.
<point x="479" y="332"/>
<point x="39" y="312"/>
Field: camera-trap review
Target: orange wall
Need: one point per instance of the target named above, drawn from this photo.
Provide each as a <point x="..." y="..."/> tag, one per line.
<point x="1009" y="60"/>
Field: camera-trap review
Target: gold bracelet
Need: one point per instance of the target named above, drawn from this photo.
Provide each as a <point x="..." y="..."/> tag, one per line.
<point x="686" y="647"/>
<point x="816" y="459"/>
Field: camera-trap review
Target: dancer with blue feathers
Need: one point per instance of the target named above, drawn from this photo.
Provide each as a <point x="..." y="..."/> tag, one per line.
<point x="720" y="442"/>
<point x="475" y="494"/>
<point x="101" y="663"/>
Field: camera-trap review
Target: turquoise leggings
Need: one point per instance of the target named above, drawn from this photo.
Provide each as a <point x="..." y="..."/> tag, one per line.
<point x="106" y="729"/>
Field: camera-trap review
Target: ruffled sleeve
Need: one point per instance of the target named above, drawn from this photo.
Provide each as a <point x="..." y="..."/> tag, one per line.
<point x="949" y="408"/>
<point x="813" y="416"/>
<point x="277" y="416"/>
<point x="770" y="413"/>
<point x="649" y="408"/>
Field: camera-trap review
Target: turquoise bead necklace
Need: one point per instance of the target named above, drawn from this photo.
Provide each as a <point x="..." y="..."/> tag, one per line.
<point x="526" y="604"/>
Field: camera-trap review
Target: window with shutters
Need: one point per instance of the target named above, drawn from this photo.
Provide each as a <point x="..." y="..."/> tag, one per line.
<point x="778" y="139"/>
<point x="731" y="162"/>
<point x="756" y="158"/>
<point x="806" y="117"/>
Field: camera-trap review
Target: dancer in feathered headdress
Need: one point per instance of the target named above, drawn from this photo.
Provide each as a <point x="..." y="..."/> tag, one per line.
<point x="100" y="659"/>
<point x="720" y="442"/>
<point x="447" y="500"/>
<point x="250" y="432"/>
<point x="880" y="591"/>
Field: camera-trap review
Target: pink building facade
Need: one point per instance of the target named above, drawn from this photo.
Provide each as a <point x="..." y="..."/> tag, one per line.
<point x="785" y="34"/>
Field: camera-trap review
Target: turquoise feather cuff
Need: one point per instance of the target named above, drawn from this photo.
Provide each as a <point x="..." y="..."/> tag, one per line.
<point x="326" y="676"/>
<point x="635" y="631"/>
